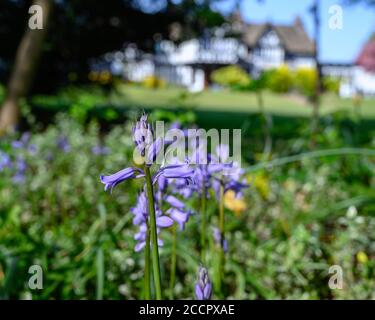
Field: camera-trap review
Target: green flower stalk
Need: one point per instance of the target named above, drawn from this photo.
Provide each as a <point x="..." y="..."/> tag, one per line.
<point x="149" y="220"/>
<point x="222" y="237"/>
<point x="173" y="261"/>
<point x="147" y="288"/>
<point x="203" y="223"/>
<point x="154" y="236"/>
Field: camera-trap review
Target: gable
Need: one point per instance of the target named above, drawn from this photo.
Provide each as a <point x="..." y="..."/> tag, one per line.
<point x="293" y="38"/>
<point x="269" y="39"/>
<point x="366" y="57"/>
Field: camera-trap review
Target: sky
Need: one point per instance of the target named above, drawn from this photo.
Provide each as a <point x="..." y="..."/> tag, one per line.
<point x="336" y="45"/>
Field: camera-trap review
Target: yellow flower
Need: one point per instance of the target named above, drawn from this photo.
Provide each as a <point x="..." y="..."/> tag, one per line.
<point x="104" y="77"/>
<point x="93" y="76"/>
<point x="362" y="257"/>
<point x="234" y="204"/>
<point x="260" y="183"/>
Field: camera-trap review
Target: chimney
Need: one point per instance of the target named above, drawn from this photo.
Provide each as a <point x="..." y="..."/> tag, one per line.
<point x="298" y="24"/>
<point x="236" y="18"/>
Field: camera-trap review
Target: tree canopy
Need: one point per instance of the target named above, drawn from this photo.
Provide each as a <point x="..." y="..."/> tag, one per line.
<point x="83" y="29"/>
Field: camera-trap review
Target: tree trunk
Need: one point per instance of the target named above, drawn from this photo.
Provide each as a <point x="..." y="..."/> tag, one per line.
<point x="318" y="85"/>
<point x="27" y="57"/>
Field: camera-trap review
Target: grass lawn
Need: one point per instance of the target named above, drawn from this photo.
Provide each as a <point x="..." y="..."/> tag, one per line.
<point x="282" y="105"/>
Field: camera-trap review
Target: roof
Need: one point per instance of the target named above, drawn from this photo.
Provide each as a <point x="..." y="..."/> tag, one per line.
<point x="253" y="33"/>
<point x="366" y="57"/>
<point x="293" y="37"/>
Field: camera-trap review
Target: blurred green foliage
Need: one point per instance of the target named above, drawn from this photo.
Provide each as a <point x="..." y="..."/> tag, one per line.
<point x="300" y="219"/>
<point x="280" y="80"/>
<point x="231" y="77"/>
<point x="305" y="81"/>
<point x="153" y="82"/>
<point x="284" y="80"/>
<point x="331" y="84"/>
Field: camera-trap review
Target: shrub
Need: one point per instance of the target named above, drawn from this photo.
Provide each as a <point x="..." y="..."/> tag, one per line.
<point x="279" y="80"/>
<point x="153" y="82"/>
<point x="231" y="77"/>
<point x="331" y="84"/>
<point x="103" y="77"/>
<point x="305" y="81"/>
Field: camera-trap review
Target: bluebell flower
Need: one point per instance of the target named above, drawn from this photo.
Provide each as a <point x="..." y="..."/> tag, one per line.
<point x="49" y="156"/>
<point x="180" y="216"/>
<point x="22" y="142"/>
<point x="141" y="216"/>
<point x="17" y="144"/>
<point x="32" y="149"/>
<point x="180" y="187"/>
<point x="203" y="287"/>
<point x="183" y="188"/>
<point x="220" y="169"/>
<point x="63" y="144"/>
<point x="113" y="180"/>
<point x="100" y="150"/>
<point x="174" y="202"/>
<point x="162" y="183"/>
<point x="143" y="135"/>
<point x="153" y="150"/>
<point x="175" y="171"/>
<point x="217" y="238"/>
<point x="19" y="176"/>
<point x="149" y="149"/>
<point x="140" y="211"/>
<point x="5" y="161"/>
<point x="172" y="171"/>
<point x="177" y="209"/>
<point x="202" y="175"/>
<point x="140" y="237"/>
<point x="175" y="125"/>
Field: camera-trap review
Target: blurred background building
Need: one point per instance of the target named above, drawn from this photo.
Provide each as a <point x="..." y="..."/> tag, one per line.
<point x="254" y="47"/>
